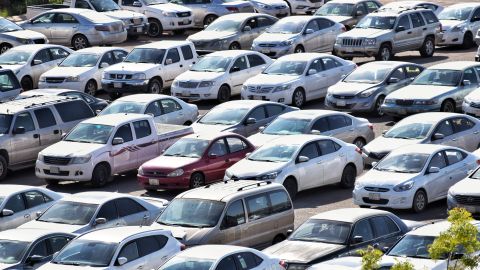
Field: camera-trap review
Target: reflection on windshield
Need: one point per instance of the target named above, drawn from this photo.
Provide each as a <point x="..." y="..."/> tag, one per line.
<point x="8" y="26"/>
<point x="192" y="213"/>
<point x="5" y="122"/>
<point x="319" y="230"/>
<point x="274" y="153"/>
<point x="284" y="126"/>
<point x="367" y="74"/>
<point x="81" y="252"/>
<point x="14" y="57"/>
<point x="226" y="25"/>
<point x="145" y="55"/>
<point x="457" y="14"/>
<point x="335" y="9"/>
<point x="287" y="26"/>
<point x="223" y="116"/>
<point x="187" y="147"/>
<point x="414" y="131"/>
<point x="11" y="251"/>
<point x="123" y="107"/>
<point x="90" y="133"/>
<point x="187" y="263"/>
<point x="377" y="22"/>
<point x="212" y="64"/>
<point x="80" y="60"/>
<point x="286" y="68"/>
<point x="403" y="163"/>
<point x="442" y="77"/>
<point x="72" y="213"/>
<point x="413" y="246"/>
<point x="104" y="5"/>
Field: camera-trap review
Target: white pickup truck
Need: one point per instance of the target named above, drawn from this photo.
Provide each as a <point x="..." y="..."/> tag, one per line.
<point x="100" y="147"/>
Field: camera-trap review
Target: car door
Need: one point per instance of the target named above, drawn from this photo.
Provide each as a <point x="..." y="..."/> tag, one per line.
<point x="35" y="201"/>
<point x="273" y="111"/>
<point x="403" y="34"/>
<point x="173" y="111"/>
<point x="258" y="213"/>
<point x="320" y="125"/>
<point x="10" y="86"/>
<point x="109" y="212"/>
<point x="231" y="230"/>
<point x="341" y="127"/>
<point x="418" y="27"/>
<point x="361" y="236"/>
<point x="239" y="73"/>
<point x="130" y="251"/>
<point x="124" y="155"/>
<point x="445" y="127"/>
<point x="172" y="66"/>
<point x="48" y="130"/>
<point x="25" y="146"/>
<point x="215" y="160"/>
<point x="256" y="64"/>
<point x="248" y="32"/>
<point x="475" y="21"/>
<point x="155" y="109"/>
<point x="467" y="135"/>
<point x="386" y="231"/>
<point x="40" y="64"/>
<point x="146" y="143"/>
<point x="42" y="24"/>
<point x="396" y="80"/>
<point x="327" y="34"/>
<point x="334" y="70"/>
<point x="15" y="203"/>
<point x="261" y="119"/>
<point x="436" y="183"/>
<point x="457" y="168"/>
<point x="131" y="213"/>
<point x="63" y="28"/>
<point x="331" y="156"/>
<point x="316" y="80"/>
<point x="312" y="36"/>
<point x="39" y="248"/>
<point x="237" y="149"/>
<point x="188" y="57"/>
<point x="150" y="249"/>
<point x="311" y="172"/>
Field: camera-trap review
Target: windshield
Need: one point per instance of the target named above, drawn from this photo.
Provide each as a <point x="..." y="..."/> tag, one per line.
<point x="413" y="246"/>
<point x="123" y="107"/>
<point x="274" y="153"/>
<point x="455" y="13"/>
<point x="14" y="57"/>
<point x="224" y="116"/>
<point x="186" y="263"/>
<point x="71" y="213"/>
<point x="224" y="25"/>
<point x="11" y="251"/>
<point x="90" y="133"/>
<point x="80" y="60"/>
<point x="408" y="130"/>
<point x="287" y="26"/>
<point x="144" y="55"/>
<point x="377" y="22"/>
<point x="104" y="5"/>
<point x="319" y="230"/>
<point x="403" y="163"/>
<point x="86" y="253"/>
<point x="367" y="74"/>
<point x="8" y="26"/>
<point x="154" y="2"/>
<point x="196" y="213"/>
<point x="335" y="9"/>
<point x="212" y="64"/>
<point x="286" y="68"/>
<point x="5" y="121"/>
<point x="187" y="147"/>
<point x="284" y="126"/>
<point x="442" y="77"/>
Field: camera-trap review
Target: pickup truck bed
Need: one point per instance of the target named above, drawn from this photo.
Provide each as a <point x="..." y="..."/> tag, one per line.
<point x="166" y="131"/>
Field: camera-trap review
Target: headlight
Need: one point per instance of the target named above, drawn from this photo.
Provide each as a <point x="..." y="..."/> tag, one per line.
<point x="25" y="41"/>
<point x="369" y="42"/>
<point x="297" y="266"/>
<point x="269" y="176"/>
<point x="126" y="21"/>
<point x="72" y="79"/>
<point x="366" y="93"/>
<point x="425" y="102"/>
<point x="40" y="157"/>
<point x="206" y="84"/>
<point x="175" y="83"/>
<point x="260" y="5"/>
<point x="105" y="75"/>
<point x="458" y="28"/>
<point x="177" y="172"/>
<point x="42" y="79"/>
<point x="244" y="87"/>
<point x="358" y="185"/>
<point x="140" y="171"/>
<point x="286" y="42"/>
<point x="139" y="76"/>
<point x="169" y="14"/>
<point x="404" y="186"/>
<point x="282" y="88"/>
<point x="389" y="101"/>
<point x="80" y="159"/>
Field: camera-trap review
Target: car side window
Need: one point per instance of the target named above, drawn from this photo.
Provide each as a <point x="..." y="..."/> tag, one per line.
<point x="8" y="82"/>
<point x="264" y="21"/>
<point x="234" y="216"/>
<point x="128" y="207"/>
<point x="108" y="211"/>
<point x="470" y="75"/>
<point x="398" y="74"/>
<point x="24" y="120"/>
<point x="40" y="249"/>
<point x="58" y="53"/>
<point x="154" y="108"/>
<point x="321" y="125"/>
<point x="218" y="148"/>
<point x="150" y="244"/>
<point x="58" y="242"/>
<point x="258" y="113"/>
<point x="336" y="121"/>
<point x="363" y="229"/>
<point x="326" y="147"/>
<point x="128" y="2"/>
<point x="34" y="198"/>
<point x="383" y="226"/>
<point x="236" y="144"/>
<point x="82" y="4"/>
<point x="371" y="6"/>
<point x="129" y="251"/>
<point x="119" y="56"/>
<point x="313" y="24"/>
<point x="280" y="202"/>
<point x="64" y="18"/>
<point x="417" y="20"/>
<point x="45" y="117"/>
<point x="187" y="52"/>
<point x="461" y="124"/>
<point x="227" y="263"/>
<point x="316" y="64"/>
<point x="46" y="18"/>
<point x="453" y="156"/>
<point x="43" y="56"/>
<point x="404" y="21"/>
<point x="274" y="110"/>
<point x="124" y="132"/>
<point x="252" y="23"/>
<point x="361" y="7"/>
<point x="246" y="260"/>
<point x="142" y="129"/>
<point x="255" y="60"/>
<point x="324" y="23"/>
<point x="239" y="64"/>
<point x="476" y="15"/>
<point x="412" y="71"/>
<point x="81" y="109"/>
<point x="170" y="105"/>
<point x="173" y="55"/>
<point x="329" y="63"/>
<point x="445" y="128"/>
<point x="438" y="160"/>
<point x="429" y="17"/>
<point x="107" y="58"/>
<point x="309" y="150"/>
<point x="15" y="203"/>
<point x="257" y="207"/>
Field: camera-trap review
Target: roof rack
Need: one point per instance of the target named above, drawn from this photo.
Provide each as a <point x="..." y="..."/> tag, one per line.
<point x="42" y="101"/>
<point x="220" y="182"/>
<point x="255" y="185"/>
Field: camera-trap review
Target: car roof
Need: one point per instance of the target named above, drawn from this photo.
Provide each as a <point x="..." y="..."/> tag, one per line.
<point x="116" y="119"/>
<point x="309" y="114"/>
<point x="34" y="47"/>
<point x="27" y="234"/>
<point x="14" y="106"/>
<point x="73" y="10"/>
<point x="466" y="4"/>
<point x="388" y="63"/>
<point x="209" y="135"/>
<point x="348" y="1"/>
<point x="164" y="44"/>
<point x="302" y="56"/>
<point x="213" y="252"/>
<point x="46" y="91"/>
<point x="455" y="65"/>
<point x="7" y="189"/>
<point x="232" y="53"/>
<point x="298" y="139"/>
<point x="435" y="229"/>
<point x="406" y="3"/>
<point x="94" y="197"/>
<point x="244" y="103"/>
<point x="98" y="50"/>
<point x="241" y="16"/>
<point x="350" y="215"/>
<point x="421" y="148"/>
<point x="429" y="117"/>
<point x="118" y="234"/>
<point x="299" y="18"/>
<point x="142" y="98"/>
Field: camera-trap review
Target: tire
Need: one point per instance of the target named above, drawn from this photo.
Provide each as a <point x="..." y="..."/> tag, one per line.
<point x="447" y="106"/>
<point x="133" y="37"/>
<point x="209" y="19"/>
<point x="223" y="94"/>
<point x="384" y="53"/>
<point x="234" y="46"/>
<point x="154" y="86"/>
<point x="3" y="167"/>
<point x="291" y="186"/>
<point x="197" y="180"/>
<point x="155" y="29"/>
<point x="467" y="41"/>
<point x="378" y="106"/>
<point x="279" y="238"/>
<point x="80" y="42"/>
<point x="27" y="83"/>
<point x="298" y="98"/>
<point x="114" y="95"/>
<point x="51" y="182"/>
<point x="428" y="47"/>
<point x="299" y="49"/>
<point x="188" y="123"/>
<point x="5" y="47"/>
<point x="348" y="176"/>
<point x="420" y="201"/>
<point x="179" y="32"/>
<point x="91" y="87"/>
<point x="365" y="206"/>
<point x="360" y="142"/>
<point x="100" y="175"/>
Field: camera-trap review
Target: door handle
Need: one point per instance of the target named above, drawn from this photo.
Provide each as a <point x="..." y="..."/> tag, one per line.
<point x="26" y="216"/>
<point x="56" y="131"/>
<point x="424" y="29"/>
<point x="409" y="32"/>
<point x="352" y="129"/>
<point x="36" y="136"/>
<point x="227" y="160"/>
<point x="454" y="140"/>
<point x="140" y="267"/>
<point x="475" y="132"/>
<point x="181" y="65"/>
<point x="341" y="155"/>
<point x="320" y="162"/>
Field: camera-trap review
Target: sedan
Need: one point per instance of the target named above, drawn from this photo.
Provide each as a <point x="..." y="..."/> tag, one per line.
<point x="337" y="233"/>
<point x="348" y="12"/>
<point x="412" y="176"/>
<point x="78" y="28"/>
<point x="330" y="123"/>
<point x="82" y="70"/>
<point x="277" y="8"/>
<point x="164" y="109"/>
<point x="219" y="75"/>
<point x="297" y="78"/>
<point x="412" y="4"/>
<point x="30" y="61"/>
<point x="364" y="89"/>
<point x="465" y="194"/>
<point x="12" y="35"/>
<point x="86" y="211"/>
<point x="296" y="34"/>
<point x="232" y="32"/>
<point x="441" y="87"/>
<point x="460" y="23"/>
<point x="301" y="162"/>
<point x="243" y="117"/>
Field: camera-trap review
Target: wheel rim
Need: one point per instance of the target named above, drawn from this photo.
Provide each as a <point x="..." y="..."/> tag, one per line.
<point x="209" y="20"/>
<point x="153" y="29"/>
<point x="155" y="88"/>
<point x="429" y="47"/>
<point x="359" y="144"/>
<point x="91" y="89"/>
<point x="420" y="201"/>
<point x="385" y="54"/>
<point x="80" y="43"/>
<point x="2" y="169"/>
<point x="298" y="98"/>
<point x="379" y="105"/>
<point x="298" y="50"/>
<point x="234" y="46"/>
<point x="4" y="49"/>
<point x="448" y="107"/>
<point x="197" y="181"/>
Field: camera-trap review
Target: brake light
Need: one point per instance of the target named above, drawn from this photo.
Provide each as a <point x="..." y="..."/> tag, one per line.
<point x="478" y="161"/>
<point x="183" y="247"/>
<point x="344" y="29"/>
<point x="283" y="264"/>
<point x="103" y="28"/>
<point x="233" y="9"/>
<point x="358" y="150"/>
<point x="370" y="126"/>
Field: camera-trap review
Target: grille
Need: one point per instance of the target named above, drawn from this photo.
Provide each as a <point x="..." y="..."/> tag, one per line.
<point x="467" y="200"/>
<point x="404" y="102"/>
<point x="377" y="189"/>
<point x="260" y="89"/>
<point x="183" y="14"/>
<point x="343" y="97"/>
<point x="60" y="173"/>
<point x="352" y="42"/>
<point x="136" y="21"/>
<point x="475" y="105"/>
<point x="267" y="45"/>
<point x="56" y="160"/>
<point x="188" y="84"/>
<point x="55" y="79"/>
<point x="155" y="173"/>
<point x="191" y="95"/>
<point x="380" y="202"/>
<point x="121" y="76"/>
<point x="39" y="41"/>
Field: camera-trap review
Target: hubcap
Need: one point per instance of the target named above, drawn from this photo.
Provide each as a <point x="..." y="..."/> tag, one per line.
<point x="379" y="106"/>
<point x="234" y="46"/>
<point x="385" y="54"/>
<point x="359" y="143"/>
<point x="197" y="181"/>
<point x="298" y="50"/>
<point x="298" y="98"/>
<point x="155" y="88"/>
<point x="80" y="43"/>
<point x="420" y="203"/>
<point x="429" y="47"/>
<point x="4" y="49"/>
<point x="209" y="20"/>
<point x="91" y="88"/>
<point x="153" y="29"/>
<point x="448" y="107"/>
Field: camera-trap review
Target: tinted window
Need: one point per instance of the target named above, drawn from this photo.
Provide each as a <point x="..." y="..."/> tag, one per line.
<point x="218" y="148"/>
<point x="174" y="55"/>
<point x="280" y="201"/>
<point x="124" y="132"/>
<point x="128" y="207"/>
<point x="149" y="244"/>
<point x="412" y="71"/>
<point x="170" y="105"/>
<point x="264" y="22"/>
<point x="445" y="128"/>
<point x="82" y="4"/>
<point x="462" y="124"/>
<point x="42" y="55"/>
<point x="227" y="263"/>
<point x="258" y="113"/>
<point x="453" y="156"/>
<point x="362" y="8"/>
<point x="45" y="118"/>
<point x="476" y="15"/>
<point x="246" y="260"/>
<point x="187" y="52"/>
<point x="313" y="24"/>
<point x="257" y="207"/>
<point x="329" y="63"/>
<point x="317" y="65"/>
<point x="81" y="109"/>
<point x="337" y="121"/>
<point x="255" y="60"/>
<point x="470" y="75"/>
<point x="324" y="23"/>
<point x="417" y="20"/>
<point x="15" y="203"/>
<point x="40" y="249"/>
<point x="321" y="125"/>
<point x="235" y="215"/>
<point x="8" y="82"/>
<point x="398" y="74"/>
<point x="129" y="251"/>
<point x="326" y="147"/>
<point x="430" y="17"/>
<point x="34" y="198"/>
<point x="24" y="120"/>
<point x="363" y="229"/>
<point x="108" y="211"/>
<point x="119" y="56"/>
<point x="58" y="243"/>
<point x="274" y="110"/>
<point x="371" y="6"/>
<point x="142" y="129"/>
<point x="108" y="58"/>
<point x="58" y="53"/>
<point x="154" y="108"/>
<point x="235" y="144"/>
<point x="438" y="160"/>
<point x="239" y="64"/>
<point x="310" y="151"/>
<point x="404" y="21"/>
<point x="383" y="226"/>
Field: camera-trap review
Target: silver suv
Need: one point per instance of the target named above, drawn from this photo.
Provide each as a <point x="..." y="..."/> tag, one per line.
<point x="382" y="34"/>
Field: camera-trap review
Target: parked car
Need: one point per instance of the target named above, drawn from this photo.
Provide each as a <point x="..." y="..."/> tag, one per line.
<point x="101" y="147"/>
<point x="411" y="177"/>
<point x="301" y="162"/>
<point x="365" y="89"/>
<point x="19" y="204"/>
<point x="243" y="117"/>
<point x="30" y="248"/>
<point x="193" y="161"/>
<point x="277" y="8"/>
<point x="215" y="214"/>
<point x="31" y="124"/>
<point x="465" y="194"/>
<point x="440" y="87"/>
<point x="149" y="68"/>
<point x="164" y="109"/>
<point x="477" y="55"/>
<point x="28" y="62"/>
<point x="340" y="125"/>
<point x="451" y="129"/>
<point x="221" y="257"/>
<point x="348" y="12"/>
<point x="219" y="75"/>
<point x="86" y="211"/>
<point x="383" y="34"/>
<point x="117" y="248"/>
<point x="460" y="24"/>
<point x="300" y="7"/>
<point x="471" y="103"/>
<point x="78" y="28"/>
<point x="339" y="232"/>
<point x="82" y="70"/>
<point x="12" y="35"/>
<point x="9" y="85"/>
<point x="413" y="4"/>
<point x="297" y="78"/>
<point x="231" y="32"/>
<point x="296" y="34"/>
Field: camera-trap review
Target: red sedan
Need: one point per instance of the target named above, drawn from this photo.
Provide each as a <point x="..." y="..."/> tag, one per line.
<point x="193" y="161"/>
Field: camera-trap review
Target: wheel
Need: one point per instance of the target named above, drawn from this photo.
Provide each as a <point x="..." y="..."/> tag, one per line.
<point x="155" y="29"/>
<point x="359" y="142"/>
<point x="234" y="46"/>
<point x="209" y="19"/>
<point x="419" y="201"/>
<point x="299" y="49"/>
<point x="5" y="47"/>
<point x="79" y="42"/>
<point x="278" y="239"/>
<point x="467" y="41"/>
<point x="348" y="177"/>
<point x="154" y="86"/>
<point x="179" y="32"/>
<point x="428" y="47"/>
<point x="91" y="87"/>
<point x="51" y="182"/>
<point x="133" y="37"/>
<point x="384" y="53"/>
<point x="3" y="167"/>
<point x="27" y="83"/>
<point x="197" y="180"/>
<point x="188" y="123"/>
<point x="298" y="98"/>
<point x="291" y="186"/>
<point x="100" y="175"/>
<point x="378" y="106"/>
<point x="447" y="106"/>
<point x="223" y="94"/>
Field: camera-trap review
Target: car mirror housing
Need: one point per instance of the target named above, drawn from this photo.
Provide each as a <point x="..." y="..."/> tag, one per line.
<point x="137" y="4"/>
<point x="302" y="159"/>
<point x="37" y="62"/>
<point x="262" y="128"/>
<point x="117" y="141"/>
<point x="168" y="61"/>
<point x="309" y="31"/>
<point x="212" y="155"/>
<point x="19" y="130"/>
<point x="400" y="28"/>
<point x="7" y="212"/>
<point x="393" y="80"/>
<point x="466" y="82"/>
<point x="104" y="65"/>
<point x="315" y="132"/>
<point x="312" y="71"/>
<point x="122" y="261"/>
<point x="101" y="220"/>
<point x="34" y="259"/>
<point x="250" y="121"/>
<point x="357" y="239"/>
<point x="433" y="170"/>
<point x="437" y="136"/>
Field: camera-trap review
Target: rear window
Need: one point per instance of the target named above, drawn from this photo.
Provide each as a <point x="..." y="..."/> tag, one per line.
<point x="187" y="52"/>
<point x="430" y="17"/>
<point x="81" y="109"/>
<point x="280" y="201"/>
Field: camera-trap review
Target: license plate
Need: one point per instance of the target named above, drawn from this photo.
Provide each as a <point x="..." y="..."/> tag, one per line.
<point x="186" y="21"/>
<point x="374" y="196"/>
<point x="117" y="85"/>
<point x="186" y="93"/>
<point x="55" y="170"/>
<point x="257" y="97"/>
<point x="153" y="182"/>
<point x="348" y="50"/>
<point x="139" y="30"/>
<point x="265" y="51"/>
<point x="341" y="103"/>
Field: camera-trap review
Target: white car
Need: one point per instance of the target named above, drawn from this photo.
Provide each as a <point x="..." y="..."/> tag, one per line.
<point x="301" y="162"/>
<point x="164" y="109"/>
<point x="210" y="257"/>
<point x="465" y="194"/>
<point x="219" y="75"/>
<point x="460" y="24"/>
<point x="122" y="248"/>
<point x="413" y="176"/>
<point x="277" y="8"/>
<point x="297" y="78"/>
<point x="304" y="7"/>
<point x="12" y="35"/>
<point x="28" y="62"/>
<point x="412" y="4"/>
<point x="82" y="70"/>
<point x="471" y="103"/>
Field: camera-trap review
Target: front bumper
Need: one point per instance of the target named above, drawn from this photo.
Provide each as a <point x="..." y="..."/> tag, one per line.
<point x="468" y="109"/>
<point x="397" y="110"/>
<point x="135" y="30"/>
<point x="389" y="199"/>
<point x="361" y="51"/>
<point x="304" y="7"/>
<point x="151" y="182"/>
<point x="124" y="86"/>
<point x="284" y="97"/>
<point x="107" y="38"/>
<point x="452" y="203"/>
<point x="74" y="172"/>
<point x="177" y="23"/>
<point x="275" y="51"/>
<point x="450" y="38"/>
<point x="199" y="93"/>
<point x="355" y="104"/>
<point x="80" y="86"/>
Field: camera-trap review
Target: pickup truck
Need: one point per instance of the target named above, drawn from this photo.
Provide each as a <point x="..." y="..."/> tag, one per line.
<point x="100" y="147"/>
<point x="136" y="23"/>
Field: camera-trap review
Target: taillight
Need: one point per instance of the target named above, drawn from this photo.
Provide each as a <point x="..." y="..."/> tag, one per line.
<point x="344" y="29"/>
<point x="103" y="28"/>
<point x="370" y="126"/>
<point x="233" y="9"/>
<point x="358" y="150"/>
<point x="183" y="247"/>
<point x="478" y="161"/>
<point x="283" y="264"/>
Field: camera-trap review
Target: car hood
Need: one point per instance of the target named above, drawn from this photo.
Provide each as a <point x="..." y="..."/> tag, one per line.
<point x="377" y="178"/>
<point x="210" y="35"/>
<point x="466" y="187"/>
<point x="66" y="71"/>
<point x="249" y="168"/>
<point x="301" y="251"/>
<point x="188" y="236"/>
<point x="260" y="139"/>
<point x="339" y="19"/>
<point x="343" y="88"/>
<point x="25" y="34"/>
<point x="34" y="224"/>
<point x="168" y="162"/>
<point x="267" y="79"/>
<point x="169" y="7"/>
<point x="274" y="37"/>
<point x="126" y="67"/>
<point x="199" y="127"/>
<point x="14" y="68"/>
<point x="420" y="92"/>
<point x="449" y="24"/>
<point x="419" y="264"/>
<point x="55" y="266"/>
<point x="365" y="33"/>
<point x="385" y="145"/>
<point x="69" y="149"/>
<point x="123" y="14"/>
<point x="198" y="76"/>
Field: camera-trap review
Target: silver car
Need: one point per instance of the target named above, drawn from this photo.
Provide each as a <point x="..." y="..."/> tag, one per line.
<point x="78" y="28"/>
<point x="348" y="12"/>
<point x="12" y="35"/>
<point x="232" y="32"/>
<point x="298" y="34"/>
<point x="277" y="8"/>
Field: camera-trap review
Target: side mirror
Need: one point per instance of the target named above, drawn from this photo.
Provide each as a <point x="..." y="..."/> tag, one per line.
<point x="384" y="131"/>
<point x="359" y="13"/>
<point x="19" y="130"/>
<point x="7" y="212"/>
<point x="250" y="121"/>
<point x="302" y="159"/>
<point x="104" y="65"/>
<point x="247" y="29"/>
<point x="117" y="141"/>
<point x="312" y="71"/>
<point x="136" y="4"/>
<point x="393" y="80"/>
<point x="212" y="155"/>
<point x="34" y="259"/>
<point x="234" y="69"/>
<point x="433" y="170"/>
<point x="122" y="261"/>
<point x="38" y="214"/>
<point x="37" y="62"/>
<point x="99" y="221"/>
<point x="315" y="132"/>
<point x="97" y="112"/>
<point x="262" y="128"/>
<point x="63" y="135"/>
<point x="168" y="61"/>
<point x="385" y="249"/>
<point x="357" y="239"/>
<point x="437" y="136"/>
<point x="457" y="256"/>
<point x="309" y="31"/>
<point x="289" y="232"/>
<point x="247" y="155"/>
<point x="466" y="82"/>
<point x="400" y="28"/>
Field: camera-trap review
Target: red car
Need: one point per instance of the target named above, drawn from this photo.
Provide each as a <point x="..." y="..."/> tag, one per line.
<point x="193" y="161"/>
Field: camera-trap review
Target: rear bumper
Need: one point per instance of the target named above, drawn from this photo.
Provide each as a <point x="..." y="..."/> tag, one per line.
<point x="135" y="30"/>
<point x="150" y="182"/>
